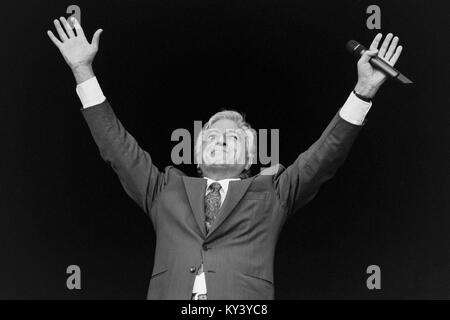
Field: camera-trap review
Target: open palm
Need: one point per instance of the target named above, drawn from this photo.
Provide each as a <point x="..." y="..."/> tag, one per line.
<point x="75" y="48"/>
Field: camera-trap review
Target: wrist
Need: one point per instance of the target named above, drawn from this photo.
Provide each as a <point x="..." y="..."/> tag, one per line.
<point x="365" y="90"/>
<point x="83" y="73"/>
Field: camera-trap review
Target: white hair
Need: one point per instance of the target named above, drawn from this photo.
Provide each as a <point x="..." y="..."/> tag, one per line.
<point x="239" y="119"/>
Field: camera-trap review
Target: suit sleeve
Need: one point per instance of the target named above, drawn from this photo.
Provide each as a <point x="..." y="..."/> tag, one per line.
<point x="300" y="182"/>
<point x="140" y="178"/>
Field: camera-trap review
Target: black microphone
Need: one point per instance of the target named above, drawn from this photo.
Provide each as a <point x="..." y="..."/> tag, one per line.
<point x="358" y="49"/>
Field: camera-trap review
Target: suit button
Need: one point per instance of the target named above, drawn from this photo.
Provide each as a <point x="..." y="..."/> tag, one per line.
<point x="205" y="247"/>
<point x="192" y="270"/>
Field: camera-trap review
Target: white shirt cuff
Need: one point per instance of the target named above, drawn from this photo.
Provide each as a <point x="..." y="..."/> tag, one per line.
<point x="355" y="110"/>
<point x="90" y="93"/>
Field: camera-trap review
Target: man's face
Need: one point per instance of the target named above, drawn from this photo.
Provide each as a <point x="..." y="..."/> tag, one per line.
<point x="223" y="146"/>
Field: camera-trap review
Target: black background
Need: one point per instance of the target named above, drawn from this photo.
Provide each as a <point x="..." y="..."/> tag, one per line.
<point x="164" y="64"/>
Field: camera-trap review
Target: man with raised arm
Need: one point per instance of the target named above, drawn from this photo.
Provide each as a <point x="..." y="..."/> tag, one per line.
<point x="216" y="234"/>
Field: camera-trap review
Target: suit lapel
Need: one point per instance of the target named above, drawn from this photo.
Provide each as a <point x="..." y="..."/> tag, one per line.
<point x="236" y="190"/>
<point x="195" y="189"/>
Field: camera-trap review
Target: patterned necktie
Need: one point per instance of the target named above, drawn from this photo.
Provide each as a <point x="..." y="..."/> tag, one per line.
<point x="212" y="204"/>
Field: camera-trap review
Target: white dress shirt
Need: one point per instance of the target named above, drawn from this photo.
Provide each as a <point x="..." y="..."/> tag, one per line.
<point x="354" y="111"/>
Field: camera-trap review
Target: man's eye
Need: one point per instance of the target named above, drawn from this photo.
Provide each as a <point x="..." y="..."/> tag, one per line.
<point x="233" y="136"/>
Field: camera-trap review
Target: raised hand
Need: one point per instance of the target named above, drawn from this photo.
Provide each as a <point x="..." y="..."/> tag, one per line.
<point x="75" y="48"/>
<point x="369" y="78"/>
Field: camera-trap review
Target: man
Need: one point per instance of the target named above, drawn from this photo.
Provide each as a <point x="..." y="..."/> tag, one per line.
<point x="216" y="234"/>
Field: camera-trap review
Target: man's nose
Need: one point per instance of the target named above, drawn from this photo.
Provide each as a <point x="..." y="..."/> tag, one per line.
<point x="222" y="140"/>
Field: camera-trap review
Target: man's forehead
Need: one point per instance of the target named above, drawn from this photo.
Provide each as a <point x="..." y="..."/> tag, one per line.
<point x="224" y="131"/>
<point x="224" y="124"/>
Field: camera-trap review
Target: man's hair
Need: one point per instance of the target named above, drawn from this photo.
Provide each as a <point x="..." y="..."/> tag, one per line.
<point x="250" y="138"/>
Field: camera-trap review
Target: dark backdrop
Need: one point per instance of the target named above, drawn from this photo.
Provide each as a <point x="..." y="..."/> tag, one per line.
<point x="163" y="64"/>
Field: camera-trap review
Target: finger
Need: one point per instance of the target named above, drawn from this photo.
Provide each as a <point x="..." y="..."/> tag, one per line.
<point x="67" y="27"/>
<point x="62" y="34"/>
<point x="78" y="27"/>
<point x="96" y="38"/>
<point x="376" y="41"/>
<point x="385" y="45"/>
<point x="54" y="39"/>
<point x="392" y="48"/>
<point x="396" y="56"/>
<point x="367" y="55"/>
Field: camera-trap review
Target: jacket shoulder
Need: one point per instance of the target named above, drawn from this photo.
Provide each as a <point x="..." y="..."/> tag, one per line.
<point x="272" y="171"/>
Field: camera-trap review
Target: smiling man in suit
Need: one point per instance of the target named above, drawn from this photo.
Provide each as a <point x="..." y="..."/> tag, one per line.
<point x="216" y="234"/>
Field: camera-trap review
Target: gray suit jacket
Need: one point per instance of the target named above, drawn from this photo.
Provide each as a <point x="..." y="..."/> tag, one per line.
<point x="238" y="252"/>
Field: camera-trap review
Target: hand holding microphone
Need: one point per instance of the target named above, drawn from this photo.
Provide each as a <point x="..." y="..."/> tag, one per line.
<point x="375" y="65"/>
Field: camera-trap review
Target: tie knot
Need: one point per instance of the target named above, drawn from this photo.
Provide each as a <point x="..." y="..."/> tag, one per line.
<point x="215" y="186"/>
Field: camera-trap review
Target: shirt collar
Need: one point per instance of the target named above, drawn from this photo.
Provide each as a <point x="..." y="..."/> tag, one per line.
<point x="223" y="183"/>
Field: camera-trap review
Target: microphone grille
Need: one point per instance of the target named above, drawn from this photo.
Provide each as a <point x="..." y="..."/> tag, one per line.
<point x="355" y="48"/>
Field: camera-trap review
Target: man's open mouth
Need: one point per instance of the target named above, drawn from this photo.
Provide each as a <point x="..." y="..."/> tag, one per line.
<point x="219" y="151"/>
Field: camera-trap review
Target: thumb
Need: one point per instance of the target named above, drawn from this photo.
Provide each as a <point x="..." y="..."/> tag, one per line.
<point x="96" y="38"/>
<point x="367" y="55"/>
